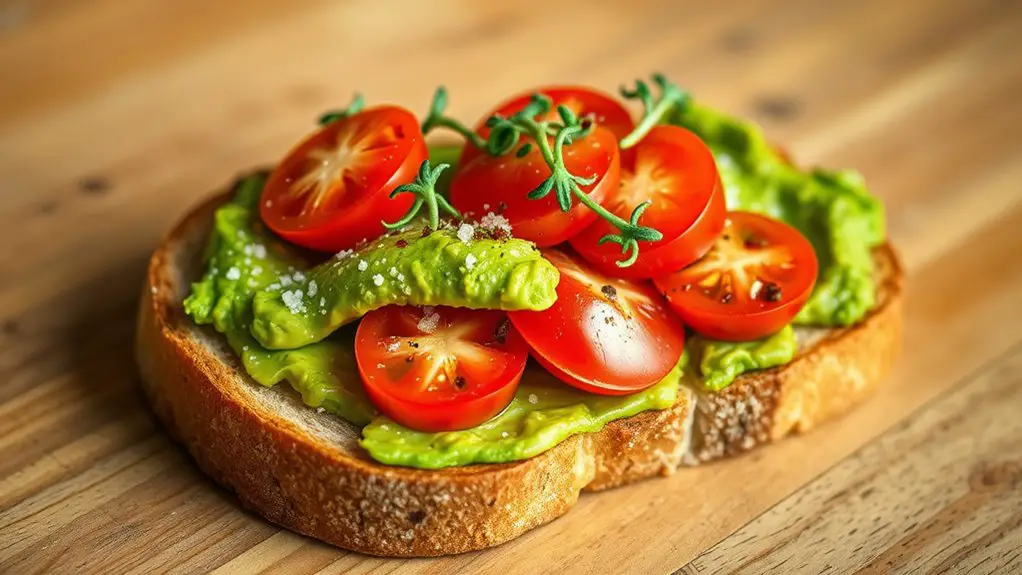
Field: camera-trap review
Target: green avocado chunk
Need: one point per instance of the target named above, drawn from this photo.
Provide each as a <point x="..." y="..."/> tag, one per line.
<point x="240" y="259"/>
<point x="832" y="209"/>
<point x="720" y="362"/>
<point x="448" y="266"/>
<point x="543" y="413"/>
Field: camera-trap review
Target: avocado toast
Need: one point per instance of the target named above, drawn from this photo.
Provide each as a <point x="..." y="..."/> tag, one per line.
<point x="321" y="462"/>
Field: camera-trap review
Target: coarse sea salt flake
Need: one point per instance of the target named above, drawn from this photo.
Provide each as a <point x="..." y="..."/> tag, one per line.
<point x="533" y="399"/>
<point x="429" y="323"/>
<point x="465" y="232"/>
<point x="233" y="274"/>
<point x="492" y="221"/>
<point x="378" y="280"/>
<point x="363" y="265"/>
<point x="470" y="261"/>
<point x="293" y="301"/>
<point x="313" y="288"/>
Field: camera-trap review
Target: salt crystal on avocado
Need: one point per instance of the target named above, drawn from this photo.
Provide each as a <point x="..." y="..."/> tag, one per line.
<point x="233" y="274"/>
<point x="465" y="232"/>
<point x="363" y="265"/>
<point x="378" y="280"/>
<point x="470" y="262"/>
<point x="293" y="301"/>
<point x="313" y="288"/>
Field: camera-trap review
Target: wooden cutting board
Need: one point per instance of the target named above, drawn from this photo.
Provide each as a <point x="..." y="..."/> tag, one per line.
<point x="116" y="116"/>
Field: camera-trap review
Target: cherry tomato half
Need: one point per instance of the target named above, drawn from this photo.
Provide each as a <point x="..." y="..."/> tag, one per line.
<point x="332" y="190"/>
<point x="439" y="369"/>
<point x="672" y="167"/>
<point x="604" y="108"/>
<point x="751" y="283"/>
<point x="604" y="335"/>
<point x="501" y="184"/>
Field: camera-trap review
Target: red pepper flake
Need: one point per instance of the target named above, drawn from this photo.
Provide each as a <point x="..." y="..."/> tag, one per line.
<point x="402" y="243"/>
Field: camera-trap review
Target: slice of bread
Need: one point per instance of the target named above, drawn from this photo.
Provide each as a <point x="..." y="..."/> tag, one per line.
<point x="305" y="471"/>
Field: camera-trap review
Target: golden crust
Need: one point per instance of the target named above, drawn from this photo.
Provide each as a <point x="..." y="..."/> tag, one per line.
<point x="303" y="470"/>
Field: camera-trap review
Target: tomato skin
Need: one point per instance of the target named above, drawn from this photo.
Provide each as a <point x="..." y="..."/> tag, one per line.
<point x="603" y="335"/>
<point x="356" y="201"/>
<point x="412" y="375"/>
<point x="487" y="183"/>
<point x="783" y="258"/>
<point x="674" y="168"/>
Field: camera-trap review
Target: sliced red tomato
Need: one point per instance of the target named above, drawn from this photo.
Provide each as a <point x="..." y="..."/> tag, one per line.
<point x="604" y="108"/>
<point x="439" y="369"/>
<point x="501" y="184"/>
<point x="332" y="190"/>
<point x="751" y="283"/>
<point x="674" y="169"/>
<point x="604" y="335"/>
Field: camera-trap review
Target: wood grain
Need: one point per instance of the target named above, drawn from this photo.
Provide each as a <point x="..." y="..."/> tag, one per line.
<point x="115" y="117"/>
<point x="942" y="490"/>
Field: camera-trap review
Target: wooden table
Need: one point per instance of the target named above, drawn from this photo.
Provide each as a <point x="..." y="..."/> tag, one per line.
<point x="116" y="116"/>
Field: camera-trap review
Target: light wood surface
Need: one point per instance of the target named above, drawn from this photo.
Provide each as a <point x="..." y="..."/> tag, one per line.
<point x="116" y="116"/>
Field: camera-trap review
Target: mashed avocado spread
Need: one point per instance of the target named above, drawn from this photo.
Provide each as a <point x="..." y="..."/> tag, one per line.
<point x="543" y="413"/>
<point x="241" y="259"/>
<point x="449" y="266"/>
<point x="832" y="209"/>
<point x="720" y="362"/>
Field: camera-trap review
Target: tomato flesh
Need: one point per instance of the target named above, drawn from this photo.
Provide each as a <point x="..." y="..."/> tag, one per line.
<point x="751" y="283"/>
<point x="675" y="170"/>
<point x="439" y="369"/>
<point x="501" y="184"/>
<point x="332" y="190"/>
<point x="603" y="335"/>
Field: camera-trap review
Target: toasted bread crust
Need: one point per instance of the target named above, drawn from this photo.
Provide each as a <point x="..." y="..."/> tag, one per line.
<point x="298" y="476"/>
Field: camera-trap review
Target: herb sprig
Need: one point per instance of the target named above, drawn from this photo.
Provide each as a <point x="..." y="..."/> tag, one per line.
<point x="671" y="98"/>
<point x="505" y="135"/>
<point x="424" y="190"/>
<point x="357" y="104"/>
